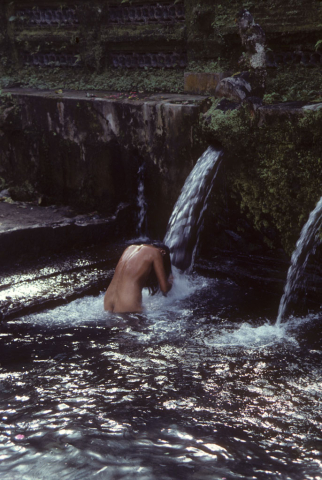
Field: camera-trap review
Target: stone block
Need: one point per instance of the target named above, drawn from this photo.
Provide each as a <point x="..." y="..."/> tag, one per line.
<point x="203" y="83"/>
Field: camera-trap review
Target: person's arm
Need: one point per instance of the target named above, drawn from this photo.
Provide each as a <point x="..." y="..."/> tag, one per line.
<point x="164" y="282"/>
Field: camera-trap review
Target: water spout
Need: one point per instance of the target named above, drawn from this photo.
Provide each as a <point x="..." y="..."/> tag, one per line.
<point x="186" y="220"/>
<point x="306" y="244"/>
<point x="142" y="205"/>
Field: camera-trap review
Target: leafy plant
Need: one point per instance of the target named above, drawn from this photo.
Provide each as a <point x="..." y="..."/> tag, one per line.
<point x="318" y="45"/>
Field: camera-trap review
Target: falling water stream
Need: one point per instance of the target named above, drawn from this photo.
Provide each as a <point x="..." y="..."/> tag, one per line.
<point x="305" y="246"/>
<point x="203" y="385"/>
<point x="142" y="204"/>
<point x="186" y="220"/>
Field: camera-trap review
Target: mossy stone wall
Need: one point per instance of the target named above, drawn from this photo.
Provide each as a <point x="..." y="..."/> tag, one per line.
<point x="206" y="35"/>
<point x="271" y="178"/>
<point x="273" y="171"/>
<point x="87" y="151"/>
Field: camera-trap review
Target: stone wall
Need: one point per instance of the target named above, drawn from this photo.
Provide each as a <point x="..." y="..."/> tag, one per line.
<point x="272" y="175"/>
<point x="148" y="45"/>
<point x="86" y="151"/>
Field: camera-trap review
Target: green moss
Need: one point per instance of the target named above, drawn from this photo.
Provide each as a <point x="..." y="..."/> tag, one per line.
<point x="24" y="192"/>
<point x="148" y="80"/>
<point x="3" y="183"/>
<point x="209" y="35"/>
<point x="212" y="36"/>
<point x="201" y="66"/>
<point x="144" y="33"/>
<point x="294" y="83"/>
<point x="273" y="172"/>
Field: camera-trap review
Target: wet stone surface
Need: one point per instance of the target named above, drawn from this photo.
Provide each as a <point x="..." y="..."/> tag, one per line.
<point x="14" y="215"/>
<point x="29" y="231"/>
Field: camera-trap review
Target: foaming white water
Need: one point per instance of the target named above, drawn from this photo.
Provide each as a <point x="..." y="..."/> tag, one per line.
<point x="87" y="310"/>
<point x="167" y="316"/>
<point x="172" y="318"/>
<point x="183" y="286"/>
<point x="90" y="310"/>
<point x="249" y="336"/>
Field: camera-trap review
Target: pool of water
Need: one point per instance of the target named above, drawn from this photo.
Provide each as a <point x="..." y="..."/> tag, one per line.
<point x="202" y="385"/>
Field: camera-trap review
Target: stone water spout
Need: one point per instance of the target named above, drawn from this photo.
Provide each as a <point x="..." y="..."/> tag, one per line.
<point x="187" y="217"/>
<point x="306" y="244"/>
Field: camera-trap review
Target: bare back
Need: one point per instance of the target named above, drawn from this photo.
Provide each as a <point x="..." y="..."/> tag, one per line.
<point x="124" y="293"/>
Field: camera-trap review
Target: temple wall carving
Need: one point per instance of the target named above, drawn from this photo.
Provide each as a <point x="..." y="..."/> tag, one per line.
<point x="115" y="35"/>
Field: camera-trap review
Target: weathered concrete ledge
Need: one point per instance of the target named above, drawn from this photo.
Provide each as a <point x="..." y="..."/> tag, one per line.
<point x="271" y="113"/>
<point x="29" y="231"/>
<point x="86" y="149"/>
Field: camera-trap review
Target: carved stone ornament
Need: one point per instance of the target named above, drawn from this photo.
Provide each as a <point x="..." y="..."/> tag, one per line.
<point x="147" y="13"/>
<point x="152" y="60"/>
<point x="48" y="16"/>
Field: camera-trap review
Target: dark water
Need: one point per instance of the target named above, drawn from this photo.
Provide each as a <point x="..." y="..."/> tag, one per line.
<point x="202" y="386"/>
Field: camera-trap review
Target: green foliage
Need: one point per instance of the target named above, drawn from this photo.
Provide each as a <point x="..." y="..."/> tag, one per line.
<point x="148" y="80"/>
<point x="2" y="183"/>
<point x="318" y="45"/>
<point x="232" y="127"/>
<point x="208" y="66"/>
<point x="274" y="97"/>
<point x="294" y="83"/>
<point x="274" y="171"/>
<point x="24" y="192"/>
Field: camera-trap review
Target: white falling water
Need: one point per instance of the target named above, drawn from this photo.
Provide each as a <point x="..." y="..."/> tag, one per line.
<point x="141" y="202"/>
<point x="186" y="220"/>
<point x="305" y="246"/>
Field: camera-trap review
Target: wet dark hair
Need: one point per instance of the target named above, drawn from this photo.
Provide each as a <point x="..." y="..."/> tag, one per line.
<point x="152" y="282"/>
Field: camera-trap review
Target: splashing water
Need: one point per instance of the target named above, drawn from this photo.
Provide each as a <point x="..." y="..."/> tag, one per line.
<point x="168" y="318"/>
<point x="306" y="244"/>
<point x="141" y="202"/>
<point x="186" y="220"/>
<point x="250" y="336"/>
<point x="89" y="310"/>
<point x="182" y="390"/>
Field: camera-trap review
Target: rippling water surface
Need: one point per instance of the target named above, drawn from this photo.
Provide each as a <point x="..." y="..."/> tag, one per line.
<point x="203" y="385"/>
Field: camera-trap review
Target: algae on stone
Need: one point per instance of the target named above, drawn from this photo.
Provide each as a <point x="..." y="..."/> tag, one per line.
<point x="273" y="169"/>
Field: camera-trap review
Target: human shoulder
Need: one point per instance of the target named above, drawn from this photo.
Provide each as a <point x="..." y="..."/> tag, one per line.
<point x="152" y="251"/>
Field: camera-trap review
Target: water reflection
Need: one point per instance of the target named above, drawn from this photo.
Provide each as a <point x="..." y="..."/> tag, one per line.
<point x="192" y="388"/>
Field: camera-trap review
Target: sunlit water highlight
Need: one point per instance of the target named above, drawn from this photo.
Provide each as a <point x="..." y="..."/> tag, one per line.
<point x="194" y="388"/>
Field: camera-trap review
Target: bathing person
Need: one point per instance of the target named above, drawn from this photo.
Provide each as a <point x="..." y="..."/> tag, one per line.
<point x="139" y="266"/>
